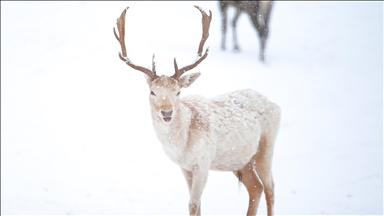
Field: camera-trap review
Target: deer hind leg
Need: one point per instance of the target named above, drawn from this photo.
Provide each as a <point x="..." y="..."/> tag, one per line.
<point x="263" y="159"/>
<point x="223" y="9"/>
<point x="254" y="186"/>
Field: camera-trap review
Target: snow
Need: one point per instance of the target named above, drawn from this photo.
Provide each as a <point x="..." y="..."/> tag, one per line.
<point x="77" y="138"/>
<point x="127" y="60"/>
<point x="200" y="8"/>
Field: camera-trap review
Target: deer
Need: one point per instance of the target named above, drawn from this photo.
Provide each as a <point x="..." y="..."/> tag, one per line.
<point x="258" y="11"/>
<point x="233" y="132"/>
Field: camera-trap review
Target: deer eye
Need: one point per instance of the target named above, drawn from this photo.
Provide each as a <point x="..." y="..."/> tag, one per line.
<point x="153" y="93"/>
<point x="178" y="93"/>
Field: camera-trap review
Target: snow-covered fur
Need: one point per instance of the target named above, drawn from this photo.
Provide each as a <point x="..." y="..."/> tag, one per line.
<point x="220" y="133"/>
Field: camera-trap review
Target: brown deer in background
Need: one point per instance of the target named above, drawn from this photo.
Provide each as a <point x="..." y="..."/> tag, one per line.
<point x="258" y="11"/>
<point x="232" y="132"/>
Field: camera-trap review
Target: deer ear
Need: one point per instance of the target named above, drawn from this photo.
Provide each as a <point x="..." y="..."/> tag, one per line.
<point x="188" y="79"/>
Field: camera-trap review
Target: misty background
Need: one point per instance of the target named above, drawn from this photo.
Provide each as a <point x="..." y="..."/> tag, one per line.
<point x="76" y="133"/>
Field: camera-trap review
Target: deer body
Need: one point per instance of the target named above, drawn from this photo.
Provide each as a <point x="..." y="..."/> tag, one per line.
<point x="230" y="132"/>
<point x="220" y="133"/>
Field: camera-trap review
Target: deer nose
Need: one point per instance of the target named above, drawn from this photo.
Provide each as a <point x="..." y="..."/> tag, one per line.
<point x="166" y="113"/>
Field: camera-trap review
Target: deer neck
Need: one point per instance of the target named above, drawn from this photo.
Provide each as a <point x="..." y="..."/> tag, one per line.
<point x="174" y="134"/>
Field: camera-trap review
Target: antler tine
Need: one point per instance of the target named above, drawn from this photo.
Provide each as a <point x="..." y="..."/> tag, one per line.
<point x="121" y="28"/>
<point x="153" y="64"/>
<point x="206" y="21"/>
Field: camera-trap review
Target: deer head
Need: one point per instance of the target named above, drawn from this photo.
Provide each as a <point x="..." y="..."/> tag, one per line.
<point x="164" y="90"/>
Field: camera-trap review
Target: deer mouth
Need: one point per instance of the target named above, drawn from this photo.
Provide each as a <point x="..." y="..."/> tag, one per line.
<point x="167" y="119"/>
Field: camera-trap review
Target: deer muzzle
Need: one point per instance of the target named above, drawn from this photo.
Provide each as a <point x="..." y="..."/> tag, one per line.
<point x="167" y="115"/>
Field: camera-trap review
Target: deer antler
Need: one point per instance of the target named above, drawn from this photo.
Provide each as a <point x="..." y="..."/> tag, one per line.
<point x="206" y="20"/>
<point x="121" y="27"/>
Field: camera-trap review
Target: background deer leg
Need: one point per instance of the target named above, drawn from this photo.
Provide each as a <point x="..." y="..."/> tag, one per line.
<point x="263" y="21"/>
<point x="263" y="33"/>
<point x="249" y="178"/>
<point x="223" y="8"/>
<point x="264" y="169"/>
<point x="234" y="26"/>
<point x="199" y="180"/>
<point x="262" y="30"/>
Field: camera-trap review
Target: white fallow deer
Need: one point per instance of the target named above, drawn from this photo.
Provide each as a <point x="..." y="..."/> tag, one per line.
<point x="231" y="132"/>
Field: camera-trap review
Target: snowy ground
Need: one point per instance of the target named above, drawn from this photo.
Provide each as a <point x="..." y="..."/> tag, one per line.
<point x="76" y="134"/>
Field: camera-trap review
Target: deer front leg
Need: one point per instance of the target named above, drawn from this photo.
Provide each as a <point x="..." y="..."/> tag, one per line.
<point x="188" y="177"/>
<point x="199" y="180"/>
